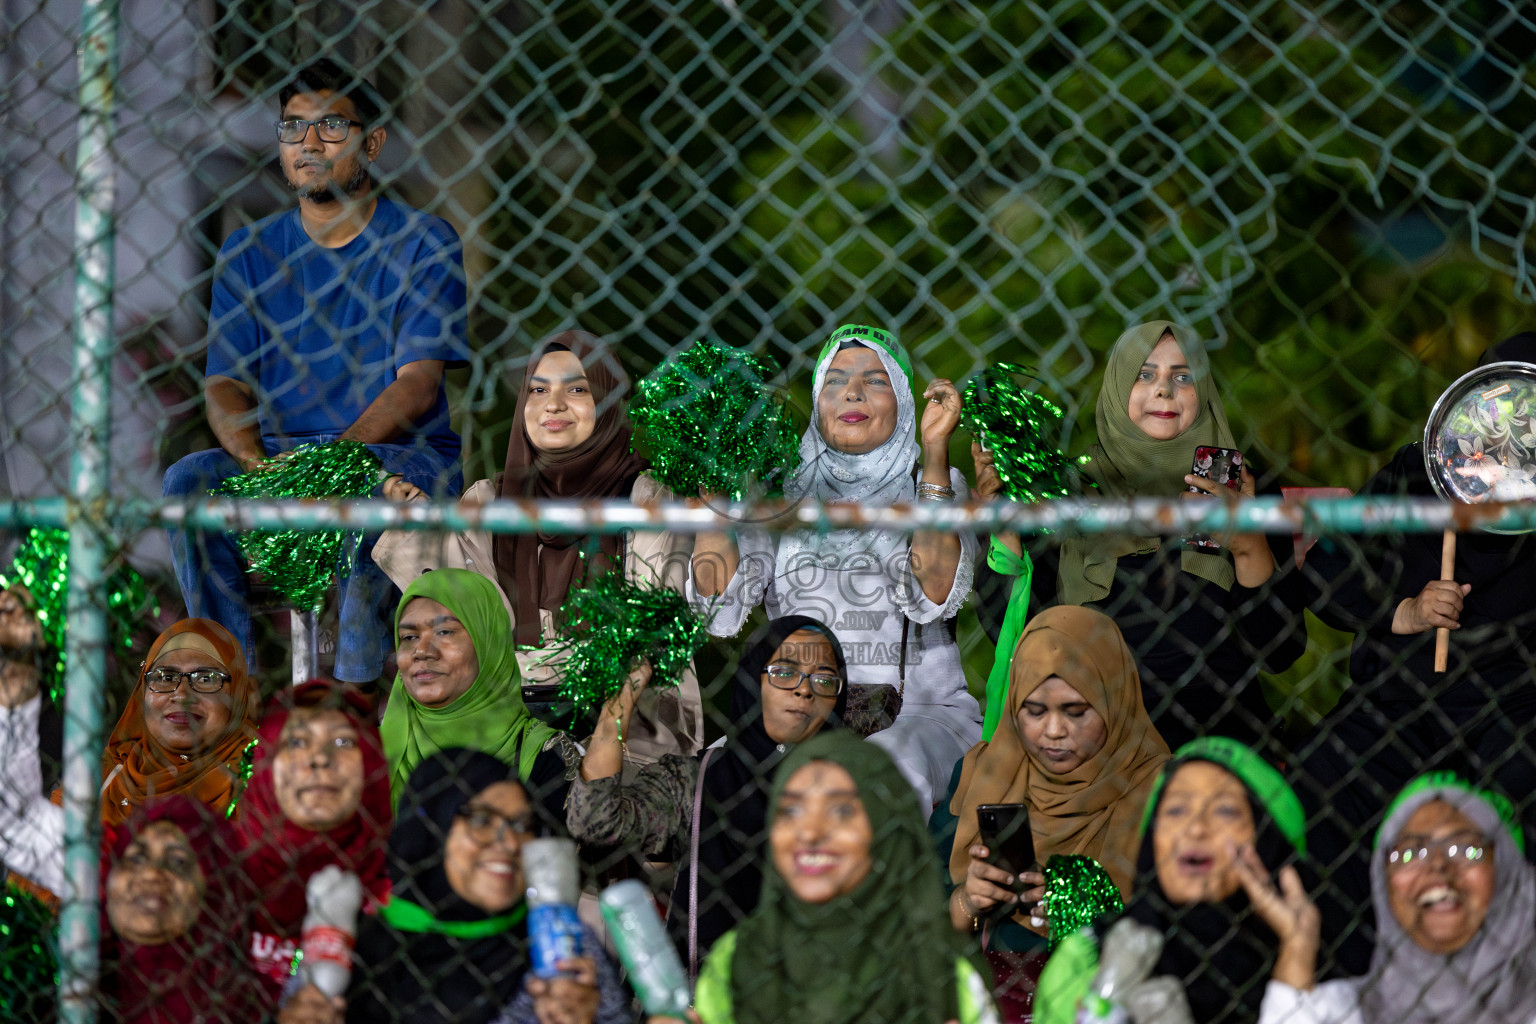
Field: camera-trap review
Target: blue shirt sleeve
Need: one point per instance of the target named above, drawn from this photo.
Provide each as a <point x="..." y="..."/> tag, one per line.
<point x="234" y="331"/>
<point x="433" y="317"/>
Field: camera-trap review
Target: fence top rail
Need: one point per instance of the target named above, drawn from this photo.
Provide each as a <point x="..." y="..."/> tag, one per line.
<point x="1166" y="516"/>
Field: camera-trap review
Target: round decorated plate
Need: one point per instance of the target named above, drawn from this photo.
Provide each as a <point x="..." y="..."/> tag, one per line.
<point x="1480" y="439"/>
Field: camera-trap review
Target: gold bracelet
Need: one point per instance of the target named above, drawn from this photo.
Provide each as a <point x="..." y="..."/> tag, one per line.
<point x="960" y="899"/>
<point x="618" y="723"/>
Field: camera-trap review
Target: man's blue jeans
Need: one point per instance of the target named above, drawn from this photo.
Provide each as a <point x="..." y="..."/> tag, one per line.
<point x="212" y="571"/>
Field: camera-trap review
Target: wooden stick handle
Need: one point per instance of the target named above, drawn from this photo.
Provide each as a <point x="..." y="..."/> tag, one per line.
<point x="1447" y="572"/>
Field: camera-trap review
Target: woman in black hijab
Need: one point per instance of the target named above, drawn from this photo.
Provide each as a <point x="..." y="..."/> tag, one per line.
<point x="1400" y="717"/>
<point x="1217" y="877"/>
<point x="451" y="944"/>
<point x="790" y="683"/>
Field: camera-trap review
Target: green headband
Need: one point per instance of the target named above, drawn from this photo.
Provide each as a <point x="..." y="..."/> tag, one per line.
<point x="1450" y="780"/>
<point x="1266" y="784"/>
<point x="868" y="336"/>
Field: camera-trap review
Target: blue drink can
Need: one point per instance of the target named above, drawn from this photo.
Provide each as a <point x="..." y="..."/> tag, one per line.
<point x="554" y="934"/>
<point x="553" y="877"/>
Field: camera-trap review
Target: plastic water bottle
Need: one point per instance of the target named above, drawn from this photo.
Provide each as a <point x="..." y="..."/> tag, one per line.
<point x="645" y="949"/>
<point x="334" y="897"/>
<point x="554" y="884"/>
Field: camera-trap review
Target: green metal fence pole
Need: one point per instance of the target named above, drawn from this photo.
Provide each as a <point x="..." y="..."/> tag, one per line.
<point x="85" y="645"/>
<point x="1163" y="516"/>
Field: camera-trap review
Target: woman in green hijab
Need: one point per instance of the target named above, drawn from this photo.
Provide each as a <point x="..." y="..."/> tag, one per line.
<point x="458" y="686"/>
<point x="851" y="926"/>
<point x="1202" y="622"/>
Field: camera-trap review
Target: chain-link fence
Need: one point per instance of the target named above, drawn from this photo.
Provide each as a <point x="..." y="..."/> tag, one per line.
<point x="1334" y="197"/>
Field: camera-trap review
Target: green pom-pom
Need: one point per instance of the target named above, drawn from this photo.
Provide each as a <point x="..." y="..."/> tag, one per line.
<point x="28" y="957"/>
<point x="713" y="423"/>
<point x="1078" y="891"/>
<point x="1014" y="423"/>
<point x="41" y="564"/>
<point x="612" y="623"/>
<point x="300" y="563"/>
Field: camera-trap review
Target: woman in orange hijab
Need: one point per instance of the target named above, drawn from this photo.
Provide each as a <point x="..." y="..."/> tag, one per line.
<point x="187" y="723"/>
<point x="185" y="729"/>
<point x="1075" y="745"/>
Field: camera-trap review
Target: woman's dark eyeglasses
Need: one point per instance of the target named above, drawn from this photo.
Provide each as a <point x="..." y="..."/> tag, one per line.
<point x="168" y="680"/>
<point x="486" y="826"/>
<point x="331" y="129"/>
<point x="175" y="861"/>
<point x="785" y="677"/>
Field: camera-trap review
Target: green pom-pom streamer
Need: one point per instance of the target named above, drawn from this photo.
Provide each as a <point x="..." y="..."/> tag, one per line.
<point x="1078" y="891"/>
<point x="612" y="623"/>
<point x="713" y="423"/>
<point x="41" y="564"/>
<point x="28" y="957"/>
<point x="1014" y="423"/>
<point x="300" y="563"/>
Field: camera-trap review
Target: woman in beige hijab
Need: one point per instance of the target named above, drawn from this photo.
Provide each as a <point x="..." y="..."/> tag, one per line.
<point x="1075" y="745"/>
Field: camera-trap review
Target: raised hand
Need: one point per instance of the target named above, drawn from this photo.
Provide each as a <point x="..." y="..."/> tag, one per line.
<point x="1251" y="555"/>
<point x="1290" y="914"/>
<point x="942" y="414"/>
<point x="989" y="484"/>
<point x="605" y="750"/>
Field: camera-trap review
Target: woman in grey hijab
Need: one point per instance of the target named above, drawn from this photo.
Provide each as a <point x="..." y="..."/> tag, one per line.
<point x="1455" y="906"/>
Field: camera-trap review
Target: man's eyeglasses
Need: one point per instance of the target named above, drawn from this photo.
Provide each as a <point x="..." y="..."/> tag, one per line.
<point x="168" y="680"/>
<point x="823" y="684"/>
<point x="486" y="826"/>
<point x="1411" y="853"/>
<point x="330" y="129"/>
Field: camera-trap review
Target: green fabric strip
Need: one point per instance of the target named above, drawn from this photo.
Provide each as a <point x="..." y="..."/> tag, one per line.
<point x="1266" y="784"/>
<point x="867" y="336"/>
<point x="1450" y="780"/>
<point x="409" y="917"/>
<point x="1006" y="563"/>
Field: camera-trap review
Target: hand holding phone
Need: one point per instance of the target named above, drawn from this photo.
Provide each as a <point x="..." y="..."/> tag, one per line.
<point x="1010" y="843"/>
<point x="1219" y="465"/>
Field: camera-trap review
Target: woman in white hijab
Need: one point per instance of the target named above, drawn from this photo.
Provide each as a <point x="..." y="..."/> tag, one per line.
<point x="889" y="598"/>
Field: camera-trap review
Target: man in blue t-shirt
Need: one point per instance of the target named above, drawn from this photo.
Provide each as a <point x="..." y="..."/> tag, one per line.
<point x="333" y="320"/>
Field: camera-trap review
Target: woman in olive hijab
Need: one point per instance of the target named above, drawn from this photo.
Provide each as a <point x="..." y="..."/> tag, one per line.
<point x="1203" y="623"/>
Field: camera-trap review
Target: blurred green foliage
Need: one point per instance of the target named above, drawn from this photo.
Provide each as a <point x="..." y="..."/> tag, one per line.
<point x="1336" y="195"/>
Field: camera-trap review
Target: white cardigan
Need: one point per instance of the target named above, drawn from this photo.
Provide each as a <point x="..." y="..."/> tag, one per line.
<point x="867" y="607"/>
<point x="1332" y="1002"/>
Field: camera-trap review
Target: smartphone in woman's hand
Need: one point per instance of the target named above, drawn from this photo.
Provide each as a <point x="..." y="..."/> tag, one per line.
<point x="1220" y="465"/>
<point x="1010" y="843"/>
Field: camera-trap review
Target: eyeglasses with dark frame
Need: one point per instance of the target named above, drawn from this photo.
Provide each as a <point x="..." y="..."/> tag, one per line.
<point x="332" y="128"/>
<point x="486" y="826"/>
<point x="787" y="677"/>
<point x="168" y="680"/>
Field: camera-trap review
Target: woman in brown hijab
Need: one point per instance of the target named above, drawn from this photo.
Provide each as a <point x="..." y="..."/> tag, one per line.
<point x="1075" y="745"/>
<point x="185" y="729"/>
<point x="570" y="442"/>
